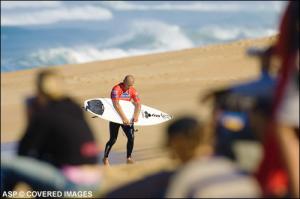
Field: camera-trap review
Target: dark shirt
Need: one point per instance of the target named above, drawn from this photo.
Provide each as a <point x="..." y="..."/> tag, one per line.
<point x="59" y="134"/>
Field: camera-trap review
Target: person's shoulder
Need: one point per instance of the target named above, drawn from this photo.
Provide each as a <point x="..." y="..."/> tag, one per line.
<point x="117" y="87"/>
<point x="133" y="89"/>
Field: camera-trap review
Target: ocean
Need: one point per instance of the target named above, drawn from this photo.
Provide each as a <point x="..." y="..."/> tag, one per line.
<point x="48" y="33"/>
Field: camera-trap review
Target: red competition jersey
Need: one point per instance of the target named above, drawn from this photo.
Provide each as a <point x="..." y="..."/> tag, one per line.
<point x="118" y="92"/>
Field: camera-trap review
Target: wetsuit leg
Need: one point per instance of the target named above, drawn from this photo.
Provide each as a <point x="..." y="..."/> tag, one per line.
<point x="129" y="131"/>
<point x="113" y="132"/>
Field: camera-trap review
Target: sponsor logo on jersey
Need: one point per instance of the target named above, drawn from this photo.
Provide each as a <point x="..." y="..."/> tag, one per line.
<point x="125" y="95"/>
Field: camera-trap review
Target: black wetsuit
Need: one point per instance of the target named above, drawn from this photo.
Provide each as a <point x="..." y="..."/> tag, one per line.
<point x="114" y="130"/>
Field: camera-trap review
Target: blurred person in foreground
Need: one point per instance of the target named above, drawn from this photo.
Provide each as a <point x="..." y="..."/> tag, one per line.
<point x="279" y="171"/>
<point x="58" y="150"/>
<point x="240" y="111"/>
<point x="203" y="174"/>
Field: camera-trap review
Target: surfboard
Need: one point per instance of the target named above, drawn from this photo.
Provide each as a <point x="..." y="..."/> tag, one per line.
<point x="103" y="108"/>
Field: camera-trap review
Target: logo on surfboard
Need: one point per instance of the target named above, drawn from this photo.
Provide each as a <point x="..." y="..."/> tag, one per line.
<point x="147" y="115"/>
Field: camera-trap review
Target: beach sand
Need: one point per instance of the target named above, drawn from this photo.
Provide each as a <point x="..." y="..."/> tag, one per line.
<point x="172" y="82"/>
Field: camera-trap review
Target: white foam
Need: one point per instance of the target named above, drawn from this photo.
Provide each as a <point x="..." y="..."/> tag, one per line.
<point x="53" y="15"/>
<point x="79" y="54"/>
<point x="8" y="5"/>
<point x="163" y="36"/>
<point x="167" y="36"/>
<point x="231" y="33"/>
<point x="196" y="6"/>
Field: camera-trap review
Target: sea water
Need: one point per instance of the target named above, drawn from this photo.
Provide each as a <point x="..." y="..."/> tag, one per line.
<point x="38" y="34"/>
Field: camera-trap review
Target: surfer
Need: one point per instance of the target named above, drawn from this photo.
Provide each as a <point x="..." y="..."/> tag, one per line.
<point x="123" y="91"/>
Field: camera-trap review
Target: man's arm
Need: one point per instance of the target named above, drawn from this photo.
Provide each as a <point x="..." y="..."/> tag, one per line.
<point x="120" y="112"/>
<point x="137" y="110"/>
<point x="137" y="106"/>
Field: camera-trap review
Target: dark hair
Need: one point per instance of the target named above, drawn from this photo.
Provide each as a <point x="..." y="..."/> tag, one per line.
<point x="183" y="126"/>
<point x="189" y="129"/>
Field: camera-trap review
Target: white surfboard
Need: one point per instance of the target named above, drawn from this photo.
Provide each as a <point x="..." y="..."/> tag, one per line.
<point x="103" y="108"/>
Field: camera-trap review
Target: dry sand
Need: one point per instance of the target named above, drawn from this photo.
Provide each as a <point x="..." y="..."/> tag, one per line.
<point x="171" y="82"/>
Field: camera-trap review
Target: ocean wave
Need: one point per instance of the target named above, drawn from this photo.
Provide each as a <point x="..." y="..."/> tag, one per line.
<point x="53" y="15"/>
<point x="218" y="33"/>
<point x="166" y="35"/>
<point x="195" y="6"/>
<point x="75" y="55"/>
<point x="142" y="34"/>
<point x="8" y="5"/>
<point x="79" y="54"/>
<point x="141" y="38"/>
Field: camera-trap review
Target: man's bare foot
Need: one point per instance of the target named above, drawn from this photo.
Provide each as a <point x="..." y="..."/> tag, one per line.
<point x="130" y="161"/>
<point x="105" y="161"/>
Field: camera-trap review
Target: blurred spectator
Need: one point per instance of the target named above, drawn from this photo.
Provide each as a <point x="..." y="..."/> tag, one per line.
<point x="58" y="150"/>
<point x="201" y="173"/>
<point x="279" y="171"/>
<point x="240" y="112"/>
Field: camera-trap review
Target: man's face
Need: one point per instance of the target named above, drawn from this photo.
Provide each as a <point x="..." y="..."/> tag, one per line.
<point x="129" y="82"/>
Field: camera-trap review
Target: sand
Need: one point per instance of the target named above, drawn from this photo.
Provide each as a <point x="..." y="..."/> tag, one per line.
<point x="172" y="82"/>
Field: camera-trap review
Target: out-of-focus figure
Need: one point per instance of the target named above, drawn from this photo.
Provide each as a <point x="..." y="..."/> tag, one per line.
<point x="279" y="170"/>
<point x="202" y="174"/>
<point x="240" y="113"/>
<point x="58" y="150"/>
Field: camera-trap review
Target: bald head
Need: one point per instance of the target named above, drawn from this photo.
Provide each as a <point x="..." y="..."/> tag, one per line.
<point x="128" y="81"/>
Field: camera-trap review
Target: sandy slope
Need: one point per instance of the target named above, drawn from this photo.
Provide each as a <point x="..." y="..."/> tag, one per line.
<point x="171" y="82"/>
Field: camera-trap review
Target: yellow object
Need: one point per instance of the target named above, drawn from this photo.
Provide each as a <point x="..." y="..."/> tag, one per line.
<point x="234" y="124"/>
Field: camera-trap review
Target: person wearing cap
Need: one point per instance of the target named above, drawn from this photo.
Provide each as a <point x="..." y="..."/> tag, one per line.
<point x="241" y="111"/>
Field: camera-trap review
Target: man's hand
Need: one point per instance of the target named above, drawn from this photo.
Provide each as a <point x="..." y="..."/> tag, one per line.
<point x="135" y="119"/>
<point x="126" y="121"/>
<point x="120" y="112"/>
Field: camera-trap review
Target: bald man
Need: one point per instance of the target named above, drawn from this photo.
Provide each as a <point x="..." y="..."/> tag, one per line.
<point x="123" y="91"/>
